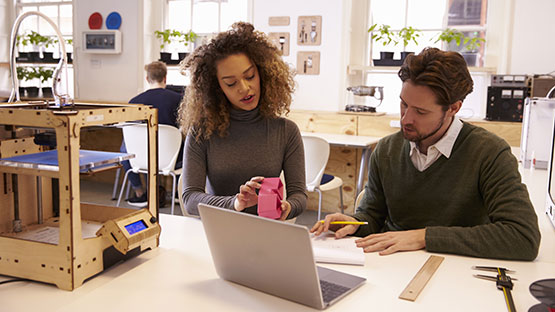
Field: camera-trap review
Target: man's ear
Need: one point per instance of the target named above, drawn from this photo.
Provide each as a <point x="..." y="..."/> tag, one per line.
<point x="454" y="108"/>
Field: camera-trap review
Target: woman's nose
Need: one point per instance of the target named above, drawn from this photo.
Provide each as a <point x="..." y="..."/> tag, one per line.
<point x="243" y="86"/>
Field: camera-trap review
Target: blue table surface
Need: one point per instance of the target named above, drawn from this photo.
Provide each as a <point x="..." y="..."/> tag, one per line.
<point x="87" y="159"/>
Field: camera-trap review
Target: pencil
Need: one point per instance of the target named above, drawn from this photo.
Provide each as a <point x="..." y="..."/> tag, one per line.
<point x="346" y="222"/>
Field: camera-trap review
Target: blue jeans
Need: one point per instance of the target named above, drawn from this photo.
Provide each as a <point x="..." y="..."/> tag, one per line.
<point x="133" y="177"/>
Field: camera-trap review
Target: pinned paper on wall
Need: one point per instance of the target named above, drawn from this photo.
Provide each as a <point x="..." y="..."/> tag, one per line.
<point x="269" y="198"/>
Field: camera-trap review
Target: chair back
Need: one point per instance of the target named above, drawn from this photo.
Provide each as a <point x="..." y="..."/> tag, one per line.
<point x="169" y="142"/>
<point x="316" y="154"/>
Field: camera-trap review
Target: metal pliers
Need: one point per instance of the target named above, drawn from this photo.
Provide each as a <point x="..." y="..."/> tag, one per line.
<point x="502" y="280"/>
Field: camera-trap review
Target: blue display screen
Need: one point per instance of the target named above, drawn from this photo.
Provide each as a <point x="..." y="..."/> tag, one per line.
<point x="136" y="227"/>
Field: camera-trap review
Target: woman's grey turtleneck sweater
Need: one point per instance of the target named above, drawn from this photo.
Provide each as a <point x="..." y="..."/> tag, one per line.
<point x="253" y="146"/>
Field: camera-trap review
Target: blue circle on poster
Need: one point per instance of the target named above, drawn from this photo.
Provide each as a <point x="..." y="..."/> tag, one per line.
<point x="113" y="21"/>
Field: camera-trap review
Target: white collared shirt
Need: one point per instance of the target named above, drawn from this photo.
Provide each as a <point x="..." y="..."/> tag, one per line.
<point x="442" y="147"/>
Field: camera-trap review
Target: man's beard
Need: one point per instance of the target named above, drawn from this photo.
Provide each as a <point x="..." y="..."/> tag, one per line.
<point x="421" y="137"/>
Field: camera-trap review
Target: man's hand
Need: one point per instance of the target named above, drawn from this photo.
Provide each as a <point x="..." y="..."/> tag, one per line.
<point x="390" y="242"/>
<point x="341" y="230"/>
<point x="247" y="196"/>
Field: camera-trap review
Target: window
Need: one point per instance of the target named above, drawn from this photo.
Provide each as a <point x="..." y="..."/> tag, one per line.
<point x="61" y="13"/>
<point x="205" y="18"/>
<point x="431" y="17"/>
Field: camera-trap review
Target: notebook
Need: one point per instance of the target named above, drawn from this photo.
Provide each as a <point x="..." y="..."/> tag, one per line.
<point x="328" y="249"/>
<point x="271" y="256"/>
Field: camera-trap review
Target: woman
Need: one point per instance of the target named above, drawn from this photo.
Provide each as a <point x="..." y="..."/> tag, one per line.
<point x="235" y="137"/>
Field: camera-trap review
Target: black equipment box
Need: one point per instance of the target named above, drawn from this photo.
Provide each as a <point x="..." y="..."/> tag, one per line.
<point x="505" y="103"/>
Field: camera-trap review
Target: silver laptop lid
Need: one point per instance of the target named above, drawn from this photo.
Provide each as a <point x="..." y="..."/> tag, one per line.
<point x="263" y="254"/>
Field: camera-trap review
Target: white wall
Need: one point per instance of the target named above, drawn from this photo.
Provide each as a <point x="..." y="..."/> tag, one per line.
<point x="109" y="77"/>
<point x="533" y="44"/>
<point x="315" y="92"/>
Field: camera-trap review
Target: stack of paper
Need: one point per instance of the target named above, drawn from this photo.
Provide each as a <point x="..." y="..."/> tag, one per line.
<point x="328" y="249"/>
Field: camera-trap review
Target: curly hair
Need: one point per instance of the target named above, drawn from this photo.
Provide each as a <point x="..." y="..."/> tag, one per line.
<point x="205" y="108"/>
<point x="445" y="72"/>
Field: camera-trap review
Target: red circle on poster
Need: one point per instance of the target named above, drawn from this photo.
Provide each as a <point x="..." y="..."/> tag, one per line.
<point x="95" y="21"/>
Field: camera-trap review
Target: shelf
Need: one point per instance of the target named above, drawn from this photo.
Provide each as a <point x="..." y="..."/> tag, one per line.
<point x="353" y="69"/>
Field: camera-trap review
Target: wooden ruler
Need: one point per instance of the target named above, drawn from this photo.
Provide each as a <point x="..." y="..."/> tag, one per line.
<point x="421" y="278"/>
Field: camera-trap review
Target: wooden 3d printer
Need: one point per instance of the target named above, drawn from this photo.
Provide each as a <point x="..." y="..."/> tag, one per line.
<point x="50" y="236"/>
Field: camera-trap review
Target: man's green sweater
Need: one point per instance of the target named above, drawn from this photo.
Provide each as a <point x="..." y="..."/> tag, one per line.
<point x="473" y="203"/>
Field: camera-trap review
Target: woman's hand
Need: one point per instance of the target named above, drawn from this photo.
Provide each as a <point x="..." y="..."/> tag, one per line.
<point x="285" y="209"/>
<point x="247" y="194"/>
<point x="341" y="230"/>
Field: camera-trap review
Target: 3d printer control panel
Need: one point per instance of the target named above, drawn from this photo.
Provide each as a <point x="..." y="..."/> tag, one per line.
<point x="131" y="231"/>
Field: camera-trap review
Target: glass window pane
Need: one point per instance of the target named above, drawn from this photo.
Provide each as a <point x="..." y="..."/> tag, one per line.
<point x="467" y="12"/>
<point x="427" y="14"/>
<point x="31" y="22"/>
<point x="389" y="12"/>
<point x="44" y="27"/>
<point x="66" y="23"/>
<point x="205" y="17"/>
<point x="233" y="11"/>
<point x="179" y="15"/>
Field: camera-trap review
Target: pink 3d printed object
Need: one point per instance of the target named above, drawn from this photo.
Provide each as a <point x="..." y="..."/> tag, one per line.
<point x="269" y="198"/>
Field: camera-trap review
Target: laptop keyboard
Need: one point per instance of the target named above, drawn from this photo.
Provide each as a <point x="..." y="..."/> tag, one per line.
<point x="330" y="291"/>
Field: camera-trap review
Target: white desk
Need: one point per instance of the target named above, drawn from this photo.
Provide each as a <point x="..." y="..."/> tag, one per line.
<point x="179" y="276"/>
<point x="366" y="143"/>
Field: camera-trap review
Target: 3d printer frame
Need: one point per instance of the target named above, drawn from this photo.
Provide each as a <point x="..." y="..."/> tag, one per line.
<point x="74" y="258"/>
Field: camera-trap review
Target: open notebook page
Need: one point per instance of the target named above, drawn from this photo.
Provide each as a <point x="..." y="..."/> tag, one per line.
<point x="328" y="249"/>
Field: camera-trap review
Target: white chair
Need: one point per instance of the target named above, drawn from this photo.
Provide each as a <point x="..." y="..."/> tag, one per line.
<point x="169" y="143"/>
<point x="316" y="154"/>
<point x="359" y="198"/>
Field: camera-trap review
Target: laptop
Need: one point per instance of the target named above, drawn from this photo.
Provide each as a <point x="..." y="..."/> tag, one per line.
<point x="271" y="256"/>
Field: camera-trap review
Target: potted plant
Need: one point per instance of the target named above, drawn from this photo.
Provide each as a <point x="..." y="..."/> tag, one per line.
<point x="468" y="45"/>
<point x="386" y="36"/>
<point x="68" y="42"/>
<point x="166" y="37"/>
<point x="186" y="38"/>
<point x="45" y="75"/>
<point x="38" y="41"/>
<point x="21" y="75"/>
<point x="27" y="74"/>
<point x="471" y="49"/>
<point x="408" y="35"/>
<point x="22" y="42"/>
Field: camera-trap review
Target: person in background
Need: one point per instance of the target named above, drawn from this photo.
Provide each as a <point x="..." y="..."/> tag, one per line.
<point x="231" y="112"/>
<point x="167" y="103"/>
<point x="441" y="184"/>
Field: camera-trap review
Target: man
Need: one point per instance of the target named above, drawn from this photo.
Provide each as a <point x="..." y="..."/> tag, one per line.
<point x="167" y="103"/>
<point x="440" y="183"/>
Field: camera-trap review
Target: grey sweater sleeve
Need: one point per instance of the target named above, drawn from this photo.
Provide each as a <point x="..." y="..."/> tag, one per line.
<point x="194" y="178"/>
<point x="294" y="171"/>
